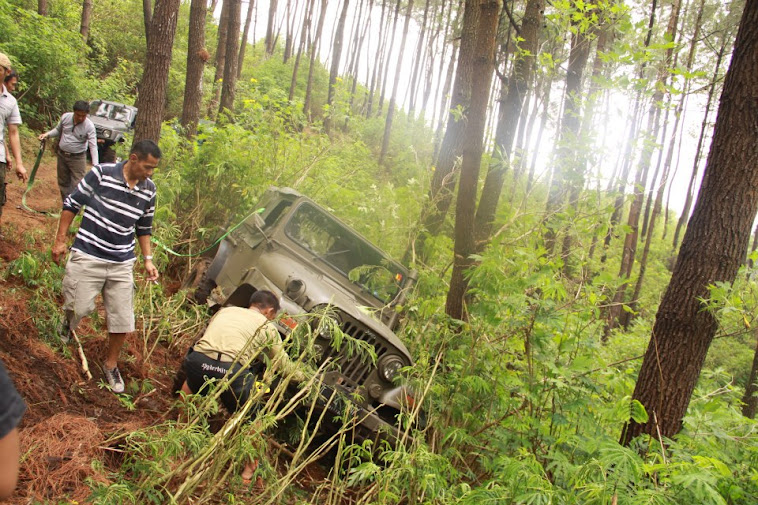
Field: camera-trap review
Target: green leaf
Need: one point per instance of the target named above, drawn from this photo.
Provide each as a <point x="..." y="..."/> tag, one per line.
<point x="638" y="413"/>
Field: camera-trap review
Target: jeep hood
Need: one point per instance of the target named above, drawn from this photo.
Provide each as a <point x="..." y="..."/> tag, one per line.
<point x="320" y="289"/>
<point x="110" y="124"/>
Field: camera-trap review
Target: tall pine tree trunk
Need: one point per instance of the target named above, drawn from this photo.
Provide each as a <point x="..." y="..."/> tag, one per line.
<point x="270" y="41"/>
<point x="391" y="109"/>
<point x="519" y="83"/>
<point x="307" y="102"/>
<point x="387" y="58"/>
<point x="339" y="36"/>
<point x="196" y="58"/>
<point x="229" y="85"/>
<point x="658" y="203"/>
<point x="375" y="73"/>
<point x="151" y="100"/>
<point x="223" y="30"/>
<point x="568" y="175"/>
<point x="86" y="15"/>
<point x="147" y="15"/>
<point x="443" y="181"/>
<point x="616" y="311"/>
<point x="245" y="34"/>
<point x="482" y="69"/>
<point x="418" y="62"/>
<point x="42" y="7"/>
<point x="357" y="50"/>
<point x="712" y="250"/>
<point x="289" y="23"/>
<point x="301" y="47"/>
<point x="626" y="159"/>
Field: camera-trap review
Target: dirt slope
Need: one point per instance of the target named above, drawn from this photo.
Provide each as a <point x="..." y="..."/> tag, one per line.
<point x="68" y="417"/>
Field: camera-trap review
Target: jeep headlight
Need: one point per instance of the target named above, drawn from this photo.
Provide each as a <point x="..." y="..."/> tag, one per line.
<point x="389" y="366"/>
<point x="107" y="133"/>
<point x="327" y="327"/>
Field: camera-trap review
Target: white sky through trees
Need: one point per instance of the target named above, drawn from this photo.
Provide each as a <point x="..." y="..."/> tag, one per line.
<point x="611" y="124"/>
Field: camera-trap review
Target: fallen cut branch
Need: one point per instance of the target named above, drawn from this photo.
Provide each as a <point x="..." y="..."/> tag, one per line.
<point x="85" y="366"/>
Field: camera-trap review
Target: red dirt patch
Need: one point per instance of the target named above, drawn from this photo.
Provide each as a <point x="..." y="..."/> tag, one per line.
<point x="17" y="223"/>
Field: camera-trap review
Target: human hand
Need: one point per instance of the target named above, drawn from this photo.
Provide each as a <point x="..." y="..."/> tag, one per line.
<point x="42" y="136"/>
<point x="21" y="171"/>
<point x="58" y="251"/>
<point x="151" y="270"/>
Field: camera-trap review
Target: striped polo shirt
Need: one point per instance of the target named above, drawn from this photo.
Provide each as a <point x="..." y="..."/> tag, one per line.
<point x="113" y="213"/>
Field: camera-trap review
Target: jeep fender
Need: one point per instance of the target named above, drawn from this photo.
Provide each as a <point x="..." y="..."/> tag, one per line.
<point x="252" y="281"/>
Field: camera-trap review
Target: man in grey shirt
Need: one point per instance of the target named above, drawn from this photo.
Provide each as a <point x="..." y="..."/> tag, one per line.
<point x="76" y="133"/>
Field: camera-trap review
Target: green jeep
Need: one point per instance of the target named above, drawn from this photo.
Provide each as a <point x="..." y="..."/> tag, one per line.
<point x="313" y="261"/>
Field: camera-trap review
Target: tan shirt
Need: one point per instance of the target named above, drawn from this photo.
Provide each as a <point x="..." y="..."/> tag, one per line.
<point x="241" y="334"/>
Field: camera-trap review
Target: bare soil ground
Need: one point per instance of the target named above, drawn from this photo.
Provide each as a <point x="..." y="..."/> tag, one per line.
<point x="68" y="417"/>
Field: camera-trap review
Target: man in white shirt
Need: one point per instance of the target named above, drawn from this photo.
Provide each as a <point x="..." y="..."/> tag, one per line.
<point x="76" y="133"/>
<point x="10" y="117"/>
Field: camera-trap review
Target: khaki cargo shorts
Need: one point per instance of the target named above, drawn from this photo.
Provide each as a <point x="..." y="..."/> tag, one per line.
<point x="86" y="277"/>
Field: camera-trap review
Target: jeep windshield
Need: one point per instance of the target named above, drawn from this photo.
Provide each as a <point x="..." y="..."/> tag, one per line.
<point x="111" y="111"/>
<point x="341" y="248"/>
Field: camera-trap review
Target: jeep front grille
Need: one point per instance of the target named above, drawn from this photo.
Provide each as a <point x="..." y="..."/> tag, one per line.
<point x="356" y="367"/>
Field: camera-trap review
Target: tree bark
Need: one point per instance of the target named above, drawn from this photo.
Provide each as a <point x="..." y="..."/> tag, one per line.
<point x="626" y="160"/>
<point x="418" y="62"/>
<point x="42" y="7"/>
<point x="712" y="250"/>
<point x="223" y="30"/>
<point x="482" y="69"/>
<point x="429" y="74"/>
<point x="443" y="181"/>
<point x="307" y="103"/>
<point x="631" y="241"/>
<point x="356" y="58"/>
<point x="679" y="113"/>
<point x="377" y="64"/>
<point x="270" y="41"/>
<point x="245" y="33"/>
<point x="197" y="55"/>
<point x="519" y="83"/>
<point x="568" y="175"/>
<point x="289" y="23"/>
<point x="86" y="15"/>
<point x="648" y="227"/>
<point x="387" y="57"/>
<point x="391" y="108"/>
<point x="629" y="252"/>
<point x="301" y="47"/>
<point x="147" y="14"/>
<point x="339" y="36"/>
<point x="151" y="100"/>
<point x="229" y="85"/>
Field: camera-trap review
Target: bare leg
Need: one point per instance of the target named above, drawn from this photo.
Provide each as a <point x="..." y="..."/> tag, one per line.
<point x="115" y="343"/>
<point x="249" y="470"/>
<point x="186" y="389"/>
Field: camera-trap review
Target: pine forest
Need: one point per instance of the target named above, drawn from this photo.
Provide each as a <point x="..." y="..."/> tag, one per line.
<point x="554" y="204"/>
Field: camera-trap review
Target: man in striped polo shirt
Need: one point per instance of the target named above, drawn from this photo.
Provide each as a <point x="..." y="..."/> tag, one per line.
<point x="119" y="202"/>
